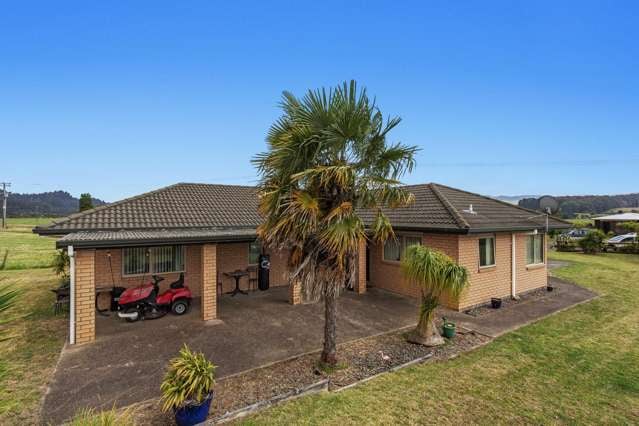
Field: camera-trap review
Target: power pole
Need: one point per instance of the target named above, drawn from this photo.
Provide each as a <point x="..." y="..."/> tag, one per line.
<point x="5" y="195"/>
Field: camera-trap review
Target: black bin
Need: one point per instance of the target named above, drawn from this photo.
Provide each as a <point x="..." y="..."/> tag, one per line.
<point x="264" y="265"/>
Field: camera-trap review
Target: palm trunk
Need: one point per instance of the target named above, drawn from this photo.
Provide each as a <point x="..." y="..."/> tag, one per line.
<point x="426" y="332"/>
<point x="329" y="353"/>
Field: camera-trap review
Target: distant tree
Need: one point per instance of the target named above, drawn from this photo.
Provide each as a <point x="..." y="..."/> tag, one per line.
<point x="593" y="242"/>
<point x="630" y="226"/>
<point x="86" y="202"/>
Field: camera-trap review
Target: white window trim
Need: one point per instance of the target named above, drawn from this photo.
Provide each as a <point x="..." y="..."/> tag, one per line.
<point x="124" y="275"/>
<point x="494" y="252"/>
<point x="543" y="249"/>
<point x="400" y="237"/>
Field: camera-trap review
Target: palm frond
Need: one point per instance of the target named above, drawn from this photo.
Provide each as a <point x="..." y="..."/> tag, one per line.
<point x="434" y="271"/>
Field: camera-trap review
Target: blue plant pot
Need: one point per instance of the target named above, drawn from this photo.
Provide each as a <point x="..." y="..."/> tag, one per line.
<point x="193" y="414"/>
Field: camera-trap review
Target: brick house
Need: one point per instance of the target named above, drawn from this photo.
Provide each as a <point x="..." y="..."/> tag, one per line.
<point x="202" y="230"/>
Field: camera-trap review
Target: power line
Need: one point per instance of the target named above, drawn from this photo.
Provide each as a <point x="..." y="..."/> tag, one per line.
<point x="5" y="195"/>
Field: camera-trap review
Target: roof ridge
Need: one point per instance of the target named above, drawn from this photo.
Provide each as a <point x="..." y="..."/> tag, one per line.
<point x="216" y="184"/>
<point x="105" y="206"/>
<point x="452" y="210"/>
<point x="501" y="202"/>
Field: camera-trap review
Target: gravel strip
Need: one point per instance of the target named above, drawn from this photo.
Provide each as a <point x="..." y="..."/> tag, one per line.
<point x="358" y="360"/>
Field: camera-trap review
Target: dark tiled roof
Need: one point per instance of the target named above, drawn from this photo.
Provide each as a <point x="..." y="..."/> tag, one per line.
<point x="188" y="207"/>
<point x="179" y="206"/>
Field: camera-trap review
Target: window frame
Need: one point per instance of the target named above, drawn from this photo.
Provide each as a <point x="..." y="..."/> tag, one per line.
<point x="542" y="237"/>
<point x="249" y="253"/>
<point x="400" y="238"/>
<point x="150" y="251"/>
<point x="492" y="265"/>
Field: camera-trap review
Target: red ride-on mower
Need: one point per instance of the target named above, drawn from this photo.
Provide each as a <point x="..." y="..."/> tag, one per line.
<point x="146" y="302"/>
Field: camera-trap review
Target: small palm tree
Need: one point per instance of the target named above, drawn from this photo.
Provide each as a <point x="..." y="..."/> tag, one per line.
<point x="327" y="158"/>
<point x="436" y="273"/>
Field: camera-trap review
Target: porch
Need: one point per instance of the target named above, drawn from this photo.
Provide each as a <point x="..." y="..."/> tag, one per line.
<point x="125" y="364"/>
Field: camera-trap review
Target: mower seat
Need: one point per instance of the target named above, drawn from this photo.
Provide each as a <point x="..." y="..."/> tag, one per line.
<point x="179" y="283"/>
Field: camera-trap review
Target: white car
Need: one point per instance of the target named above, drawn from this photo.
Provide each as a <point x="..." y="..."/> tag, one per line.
<point x="619" y="241"/>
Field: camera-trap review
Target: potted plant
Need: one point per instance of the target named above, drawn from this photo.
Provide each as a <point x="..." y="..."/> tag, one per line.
<point x="448" y="328"/>
<point x="187" y="387"/>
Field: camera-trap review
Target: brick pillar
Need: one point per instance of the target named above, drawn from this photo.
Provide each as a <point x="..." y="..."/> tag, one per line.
<point x="209" y="282"/>
<point x="84" y="296"/>
<point x="360" y="285"/>
<point x="295" y="292"/>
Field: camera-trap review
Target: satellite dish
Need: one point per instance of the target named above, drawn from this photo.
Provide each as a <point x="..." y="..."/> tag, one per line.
<point x="548" y="204"/>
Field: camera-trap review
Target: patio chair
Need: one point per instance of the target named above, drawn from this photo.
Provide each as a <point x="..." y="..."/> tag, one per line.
<point x="252" y="277"/>
<point x="62" y="299"/>
<point x="219" y="283"/>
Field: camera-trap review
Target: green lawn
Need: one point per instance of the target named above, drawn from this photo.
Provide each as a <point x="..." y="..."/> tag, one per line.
<point x="580" y="366"/>
<point x="27" y="360"/>
<point x="20" y="248"/>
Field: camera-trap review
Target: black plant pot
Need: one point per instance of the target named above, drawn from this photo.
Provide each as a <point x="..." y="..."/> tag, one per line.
<point x="495" y="302"/>
<point x="550" y="288"/>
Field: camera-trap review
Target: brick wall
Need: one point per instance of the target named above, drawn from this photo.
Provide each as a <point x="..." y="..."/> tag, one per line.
<point x="388" y="275"/>
<point x="485" y="283"/>
<point x="232" y="256"/>
<point x="529" y="277"/>
<point x="192" y="274"/>
<point x="84" y="296"/>
<point x="208" y="273"/>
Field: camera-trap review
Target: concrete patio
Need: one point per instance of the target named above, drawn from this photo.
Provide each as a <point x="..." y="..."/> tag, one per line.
<point x="126" y="363"/>
<point x="127" y="360"/>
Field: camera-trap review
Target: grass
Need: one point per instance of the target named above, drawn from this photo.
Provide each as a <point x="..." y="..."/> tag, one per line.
<point x="111" y="417"/>
<point x="579" y="366"/>
<point x="20" y="248"/>
<point x="27" y="361"/>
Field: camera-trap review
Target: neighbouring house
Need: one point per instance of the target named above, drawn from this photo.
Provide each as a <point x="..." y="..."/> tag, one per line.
<point x="612" y="223"/>
<point x="204" y="230"/>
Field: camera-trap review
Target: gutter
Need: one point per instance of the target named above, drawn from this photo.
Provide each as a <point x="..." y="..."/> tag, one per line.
<point x="151" y="241"/>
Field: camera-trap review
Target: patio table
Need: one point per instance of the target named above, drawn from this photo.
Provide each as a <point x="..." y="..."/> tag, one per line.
<point x="237" y="274"/>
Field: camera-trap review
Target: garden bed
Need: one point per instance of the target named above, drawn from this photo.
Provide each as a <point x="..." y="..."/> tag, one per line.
<point x="508" y="301"/>
<point x="358" y="360"/>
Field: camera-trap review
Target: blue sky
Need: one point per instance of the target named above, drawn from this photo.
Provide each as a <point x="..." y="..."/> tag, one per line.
<point x="503" y="97"/>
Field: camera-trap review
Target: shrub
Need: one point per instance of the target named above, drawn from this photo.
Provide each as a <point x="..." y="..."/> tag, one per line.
<point x="89" y="417"/>
<point x="189" y="380"/>
<point x="593" y="242"/>
<point x="61" y="264"/>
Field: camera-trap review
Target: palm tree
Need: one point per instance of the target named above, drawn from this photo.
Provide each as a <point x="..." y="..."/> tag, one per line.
<point x="328" y="157"/>
<point x="436" y="273"/>
<point x="8" y="298"/>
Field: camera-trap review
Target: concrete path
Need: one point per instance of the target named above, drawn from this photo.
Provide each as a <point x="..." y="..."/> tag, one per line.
<point x="494" y="324"/>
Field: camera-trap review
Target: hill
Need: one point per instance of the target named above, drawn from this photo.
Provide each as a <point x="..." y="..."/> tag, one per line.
<point x="572" y="205"/>
<point x="56" y="203"/>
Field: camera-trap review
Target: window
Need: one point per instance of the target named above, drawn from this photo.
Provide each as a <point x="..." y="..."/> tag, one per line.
<point x="394" y="248"/>
<point x="153" y="260"/>
<point x="535" y="249"/>
<point x="255" y="249"/>
<point x="487" y="251"/>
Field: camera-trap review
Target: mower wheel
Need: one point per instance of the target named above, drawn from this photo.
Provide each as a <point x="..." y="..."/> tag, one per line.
<point x="180" y="307"/>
